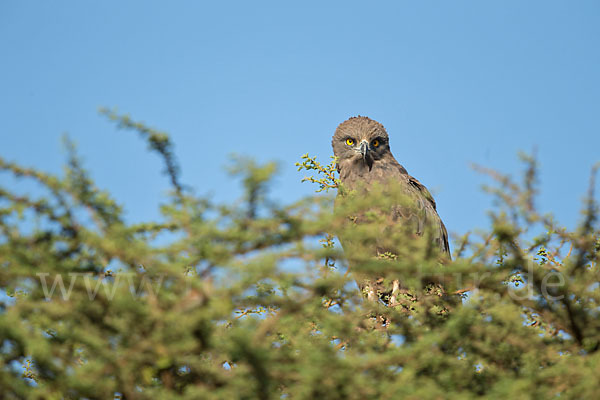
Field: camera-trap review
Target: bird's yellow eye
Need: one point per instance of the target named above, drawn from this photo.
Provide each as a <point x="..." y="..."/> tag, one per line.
<point x="350" y="142"/>
<point x="375" y="143"/>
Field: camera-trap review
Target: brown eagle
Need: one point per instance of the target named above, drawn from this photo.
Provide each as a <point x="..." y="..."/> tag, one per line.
<point x="364" y="160"/>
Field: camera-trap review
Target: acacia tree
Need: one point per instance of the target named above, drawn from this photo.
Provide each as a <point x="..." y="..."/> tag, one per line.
<point x="254" y="299"/>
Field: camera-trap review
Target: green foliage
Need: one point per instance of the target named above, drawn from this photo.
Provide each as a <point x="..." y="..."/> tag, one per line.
<point x="327" y="173"/>
<point x="254" y="299"/>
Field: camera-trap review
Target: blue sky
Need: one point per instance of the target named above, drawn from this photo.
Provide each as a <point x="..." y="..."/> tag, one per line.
<point x="454" y="83"/>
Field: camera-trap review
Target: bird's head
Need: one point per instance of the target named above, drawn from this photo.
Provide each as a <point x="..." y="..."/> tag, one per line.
<point x="360" y="140"/>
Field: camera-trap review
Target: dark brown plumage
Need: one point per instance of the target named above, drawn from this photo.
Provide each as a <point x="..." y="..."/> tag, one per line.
<point x="361" y="146"/>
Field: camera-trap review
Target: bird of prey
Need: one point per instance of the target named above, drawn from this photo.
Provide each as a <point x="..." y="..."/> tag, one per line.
<point x="364" y="160"/>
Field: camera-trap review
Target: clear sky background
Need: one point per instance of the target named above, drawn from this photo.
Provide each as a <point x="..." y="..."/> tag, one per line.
<point x="454" y="83"/>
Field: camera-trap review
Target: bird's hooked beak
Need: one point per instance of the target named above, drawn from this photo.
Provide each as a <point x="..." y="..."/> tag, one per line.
<point x="364" y="150"/>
